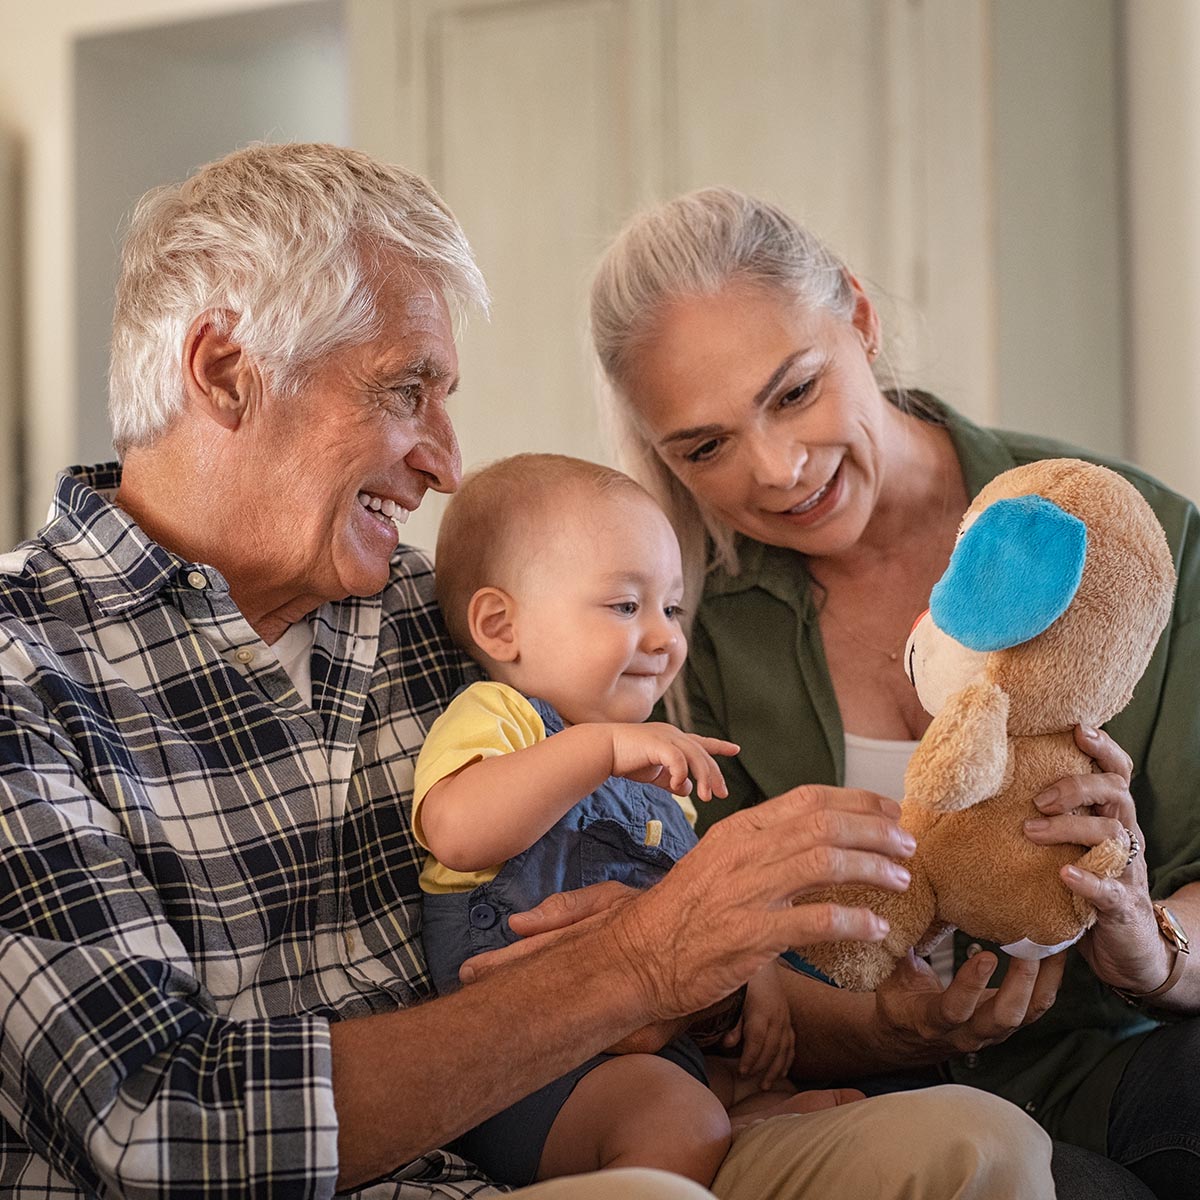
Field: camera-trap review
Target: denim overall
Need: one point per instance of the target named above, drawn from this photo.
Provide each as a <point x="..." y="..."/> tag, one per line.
<point x="603" y="837"/>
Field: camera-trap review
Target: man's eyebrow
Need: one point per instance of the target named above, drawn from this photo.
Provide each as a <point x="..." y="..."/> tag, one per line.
<point x="760" y="397"/>
<point x="426" y="368"/>
<point x="429" y="368"/>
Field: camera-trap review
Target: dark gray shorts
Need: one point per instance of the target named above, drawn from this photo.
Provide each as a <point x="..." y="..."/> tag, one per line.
<point x="509" y="1145"/>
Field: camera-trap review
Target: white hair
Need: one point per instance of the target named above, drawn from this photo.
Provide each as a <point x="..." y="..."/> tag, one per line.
<point x="281" y="244"/>
<point x="695" y="245"/>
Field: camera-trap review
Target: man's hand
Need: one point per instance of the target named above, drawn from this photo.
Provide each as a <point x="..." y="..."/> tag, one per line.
<point x="665" y="756"/>
<point x="736" y="901"/>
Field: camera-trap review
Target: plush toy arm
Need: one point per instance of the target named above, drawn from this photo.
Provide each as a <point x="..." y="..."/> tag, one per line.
<point x="963" y="757"/>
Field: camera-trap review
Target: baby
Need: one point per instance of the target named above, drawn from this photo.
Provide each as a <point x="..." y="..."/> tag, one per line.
<point x="562" y="579"/>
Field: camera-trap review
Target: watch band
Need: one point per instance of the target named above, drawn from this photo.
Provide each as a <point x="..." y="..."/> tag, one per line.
<point x="1173" y="934"/>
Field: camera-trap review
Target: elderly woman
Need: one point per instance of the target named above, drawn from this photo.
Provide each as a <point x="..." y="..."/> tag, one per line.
<point x="216" y="669"/>
<point x="818" y="509"/>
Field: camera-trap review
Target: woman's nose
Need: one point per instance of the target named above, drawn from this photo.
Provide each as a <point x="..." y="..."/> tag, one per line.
<point x="777" y="463"/>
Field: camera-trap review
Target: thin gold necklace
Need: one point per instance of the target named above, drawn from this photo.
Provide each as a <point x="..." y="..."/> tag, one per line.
<point x="891" y="655"/>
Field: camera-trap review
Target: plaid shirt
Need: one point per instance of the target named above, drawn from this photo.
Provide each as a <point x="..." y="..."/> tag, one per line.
<point x="198" y="871"/>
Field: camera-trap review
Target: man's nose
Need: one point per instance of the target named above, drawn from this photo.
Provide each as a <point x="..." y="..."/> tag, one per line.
<point x="436" y="454"/>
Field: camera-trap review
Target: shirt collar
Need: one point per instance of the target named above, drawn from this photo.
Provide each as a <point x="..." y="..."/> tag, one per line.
<point x="104" y="548"/>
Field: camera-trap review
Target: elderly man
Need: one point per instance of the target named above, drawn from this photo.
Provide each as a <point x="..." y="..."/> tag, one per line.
<point x="216" y="669"/>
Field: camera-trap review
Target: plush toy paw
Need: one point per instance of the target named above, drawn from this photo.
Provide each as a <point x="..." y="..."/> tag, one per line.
<point x="1108" y="860"/>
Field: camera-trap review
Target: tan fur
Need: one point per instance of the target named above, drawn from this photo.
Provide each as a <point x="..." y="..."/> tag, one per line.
<point x="996" y="745"/>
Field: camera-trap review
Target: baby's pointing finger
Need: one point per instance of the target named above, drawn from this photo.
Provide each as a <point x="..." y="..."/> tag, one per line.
<point x="717" y="746"/>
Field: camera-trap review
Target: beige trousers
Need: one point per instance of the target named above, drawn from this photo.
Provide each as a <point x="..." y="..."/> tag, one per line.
<point x="940" y="1143"/>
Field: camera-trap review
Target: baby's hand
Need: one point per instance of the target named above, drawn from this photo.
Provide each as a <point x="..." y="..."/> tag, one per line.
<point x="661" y="754"/>
<point x="767" y="1036"/>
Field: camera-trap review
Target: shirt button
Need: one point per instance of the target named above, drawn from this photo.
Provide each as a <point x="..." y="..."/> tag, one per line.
<point x="971" y="1060"/>
<point x="244" y="656"/>
<point x="973" y="949"/>
<point x="482" y="916"/>
<point x="1030" y="1106"/>
<point x="198" y="580"/>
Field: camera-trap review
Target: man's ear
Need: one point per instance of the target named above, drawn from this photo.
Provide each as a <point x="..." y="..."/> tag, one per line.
<point x="218" y="378"/>
<point x="491" y="620"/>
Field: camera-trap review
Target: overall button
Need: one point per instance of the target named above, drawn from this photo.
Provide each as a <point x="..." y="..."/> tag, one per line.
<point x="483" y="916"/>
<point x="971" y="1060"/>
<point x="973" y="949"/>
<point x="198" y="580"/>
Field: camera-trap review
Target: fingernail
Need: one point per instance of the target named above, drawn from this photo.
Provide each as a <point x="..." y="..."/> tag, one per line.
<point x="466" y="974"/>
<point x="900" y="875"/>
<point x="1090" y="731"/>
<point x="1037" y="823"/>
<point x="908" y="842"/>
<point x="881" y="925"/>
<point x="1073" y="873"/>
<point x="890" y="807"/>
<point x="1047" y="798"/>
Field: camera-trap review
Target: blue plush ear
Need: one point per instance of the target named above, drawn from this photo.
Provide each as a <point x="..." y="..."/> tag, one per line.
<point x="1012" y="574"/>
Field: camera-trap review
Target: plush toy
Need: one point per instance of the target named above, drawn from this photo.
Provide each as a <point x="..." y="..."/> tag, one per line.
<point x="1057" y="590"/>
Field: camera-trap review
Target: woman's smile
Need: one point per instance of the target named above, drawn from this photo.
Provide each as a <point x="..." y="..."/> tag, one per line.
<point x="817" y="505"/>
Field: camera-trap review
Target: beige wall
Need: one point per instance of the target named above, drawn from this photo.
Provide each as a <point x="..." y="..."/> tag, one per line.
<point x="36" y="101"/>
<point x="964" y="154"/>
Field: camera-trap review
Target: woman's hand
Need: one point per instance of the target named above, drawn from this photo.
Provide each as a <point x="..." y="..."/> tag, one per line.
<point x="920" y="1021"/>
<point x="1124" y="947"/>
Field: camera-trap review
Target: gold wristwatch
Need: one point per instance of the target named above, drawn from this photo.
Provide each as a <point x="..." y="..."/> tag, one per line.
<point x="1174" y="935"/>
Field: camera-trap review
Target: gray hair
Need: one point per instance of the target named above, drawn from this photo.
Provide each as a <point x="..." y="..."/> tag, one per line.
<point x="282" y="244"/>
<point x="695" y="245"/>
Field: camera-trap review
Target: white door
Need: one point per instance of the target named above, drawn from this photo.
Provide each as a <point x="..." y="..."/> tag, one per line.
<point x="545" y="123"/>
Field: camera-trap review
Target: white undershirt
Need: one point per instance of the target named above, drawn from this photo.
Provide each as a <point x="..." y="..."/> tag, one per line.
<point x="879" y="766"/>
<point x="294" y="651"/>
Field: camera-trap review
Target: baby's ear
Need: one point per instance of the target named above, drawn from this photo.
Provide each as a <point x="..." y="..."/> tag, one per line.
<point x="491" y="618"/>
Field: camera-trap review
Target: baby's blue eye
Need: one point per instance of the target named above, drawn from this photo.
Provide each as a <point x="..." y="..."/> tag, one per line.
<point x="673" y="612"/>
<point x="627" y="608"/>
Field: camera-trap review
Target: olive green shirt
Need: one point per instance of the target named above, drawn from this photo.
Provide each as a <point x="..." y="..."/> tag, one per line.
<point x="757" y="675"/>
